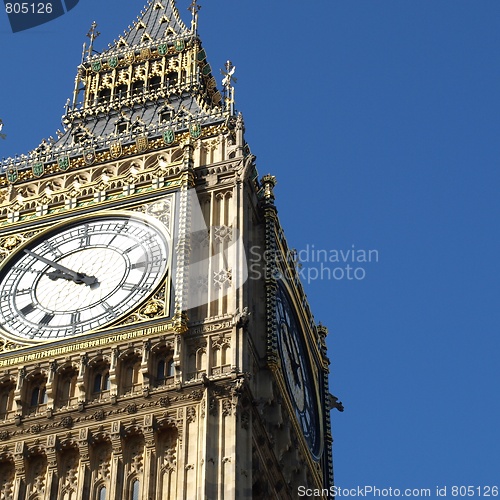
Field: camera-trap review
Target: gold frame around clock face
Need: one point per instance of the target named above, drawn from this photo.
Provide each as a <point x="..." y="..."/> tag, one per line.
<point x="297" y="372"/>
<point x="82" y="275"/>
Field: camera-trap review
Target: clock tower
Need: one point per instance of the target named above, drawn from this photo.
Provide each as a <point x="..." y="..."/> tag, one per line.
<point x="155" y="339"/>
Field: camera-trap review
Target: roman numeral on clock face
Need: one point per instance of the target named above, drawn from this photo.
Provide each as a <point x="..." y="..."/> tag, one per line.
<point x="133" y="288"/>
<point x="27" y="309"/>
<point x="133" y="247"/>
<point x="139" y="265"/>
<point x="46" y="319"/>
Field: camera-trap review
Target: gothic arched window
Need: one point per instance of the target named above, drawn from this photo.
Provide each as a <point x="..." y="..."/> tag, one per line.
<point x="135" y="489"/>
<point x="160" y="371"/>
<point x="172" y="78"/>
<point x="154" y="82"/>
<point x="201" y="360"/>
<point x="6" y="398"/>
<point x="38" y="395"/>
<point x="121" y="90"/>
<point x="165" y="369"/>
<point x="137" y="87"/>
<point x="166" y="115"/>
<point x="170" y="368"/>
<point x="104" y="95"/>
<point x="102" y="493"/>
<point x="66" y="383"/>
<point x="130" y="374"/>
<point x="101" y="382"/>
<point x="99" y="379"/>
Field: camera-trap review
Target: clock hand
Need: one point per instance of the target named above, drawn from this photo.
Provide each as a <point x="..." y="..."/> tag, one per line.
<point x="292" y="353"/>
<point x="295" y="368"/>
<point x="64" y="272"/>
<point x="79" y="279"/>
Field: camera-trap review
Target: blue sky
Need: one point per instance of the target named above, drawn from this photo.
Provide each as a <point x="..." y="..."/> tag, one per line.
<point x="380" y="120"/>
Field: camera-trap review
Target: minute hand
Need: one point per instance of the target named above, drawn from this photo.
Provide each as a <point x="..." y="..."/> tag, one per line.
<point x="76" y="277"/>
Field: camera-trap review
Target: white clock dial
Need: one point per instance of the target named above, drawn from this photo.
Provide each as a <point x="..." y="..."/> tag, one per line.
<point x="81" y="276"/>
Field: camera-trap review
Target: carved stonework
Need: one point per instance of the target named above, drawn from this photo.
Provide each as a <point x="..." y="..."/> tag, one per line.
<point x="212" y="405"/>
<point x="220" y="341"/>
<point x="245" y="419"/>
<point x="169" y="462"/>
<point x="190" y="414"/>
<point x="136" y="450"/>
<point x="223" y="234"/>
<point x="38" y="471"/>
<point x="227" y="407"/>
<point x="222" y="278"/>
<point x="69" y="480"/>
<point x="162" y="211"/>
<point x="7" y="473"/>
<point x="102" y="459"/>
<point x="9" y="244"/>
<point x="154" y="308"/>
<point x="180" y="394"/>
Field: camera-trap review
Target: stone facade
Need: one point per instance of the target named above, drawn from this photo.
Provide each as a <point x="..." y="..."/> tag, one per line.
<point x="195" y="392"/>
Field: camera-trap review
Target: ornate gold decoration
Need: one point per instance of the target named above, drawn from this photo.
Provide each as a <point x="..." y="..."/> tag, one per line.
<point x="145" y="53"/>
<point x="75" y="346"/>
<point x="102" y="157"/>
<point x="155" y="307"/>
<point x="115" y="149"/>
<point x="129" y="57"/>
<point x="141" y="143"/>
<point x="74" y="189"/>
<point x="89" y="156"/>
<point x="11" y="242"/>
<point x="12" y="173"/>
<point x="63" y="162"/>
<point x="38" y="168"/>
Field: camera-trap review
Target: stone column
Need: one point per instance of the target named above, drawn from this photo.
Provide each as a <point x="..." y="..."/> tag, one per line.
<point x="115" y="490"/>
<point x="82" y="492"/>
<point x="80" y="381"/>
<point x="149" y="458"/>
<point x="20" y="477"/>
<point x="146" y="375"/>
<point x="112" y="372"/>
<point x="51" y="485"/>
<point x="17" y="393"/>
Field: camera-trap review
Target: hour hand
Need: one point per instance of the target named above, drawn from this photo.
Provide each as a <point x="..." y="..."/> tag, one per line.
<point x="79" y="279"/>
<point x="295" y="369"/>
<point x="65" y="273"/>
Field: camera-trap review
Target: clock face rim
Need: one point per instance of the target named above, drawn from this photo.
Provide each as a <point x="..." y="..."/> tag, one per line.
<point x="316" y="449"/>
<point x="106" y="215"/>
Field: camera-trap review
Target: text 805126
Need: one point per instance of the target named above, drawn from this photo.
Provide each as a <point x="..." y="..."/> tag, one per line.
<point x="28" y="8"/>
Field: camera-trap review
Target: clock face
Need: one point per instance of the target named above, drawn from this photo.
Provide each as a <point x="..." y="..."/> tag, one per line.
<point x="297" y="372"/>
<point x="81" y="276"/>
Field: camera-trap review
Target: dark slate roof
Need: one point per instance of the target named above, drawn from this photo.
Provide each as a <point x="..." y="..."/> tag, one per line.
<point x="158" y="19"/>
<point x="141" y="118"/>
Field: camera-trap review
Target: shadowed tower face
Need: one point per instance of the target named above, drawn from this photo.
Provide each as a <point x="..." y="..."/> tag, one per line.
<point x="156" y="341"/>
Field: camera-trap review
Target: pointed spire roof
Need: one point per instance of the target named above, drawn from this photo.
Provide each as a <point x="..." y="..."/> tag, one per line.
<point x="159" y="20"/>
<point x="162" y="100"/>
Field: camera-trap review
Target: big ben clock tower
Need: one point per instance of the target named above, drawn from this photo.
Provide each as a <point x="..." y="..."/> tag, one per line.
<point x="155" y="339"/>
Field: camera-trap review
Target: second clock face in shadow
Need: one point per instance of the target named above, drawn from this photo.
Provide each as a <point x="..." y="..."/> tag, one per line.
<point x="297" y="371"/>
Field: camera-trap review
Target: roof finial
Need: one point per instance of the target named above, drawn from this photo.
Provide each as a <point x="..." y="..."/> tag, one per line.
<point x="92" y="34"/>
<point x="227" y="83"/>
<point x="194" y="8"/>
